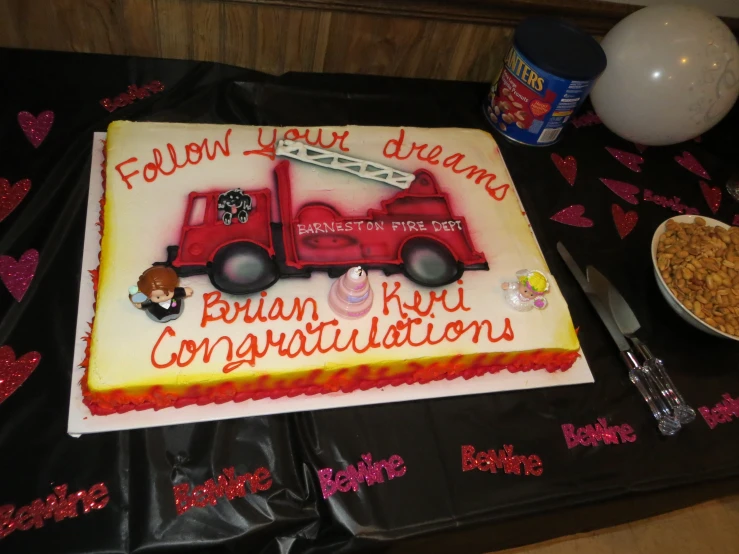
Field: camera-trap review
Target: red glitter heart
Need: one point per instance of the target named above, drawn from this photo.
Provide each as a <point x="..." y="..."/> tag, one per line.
<point x="625" y="221"/>
<point x="14" y="372"/>
<point x="736" y="220"/>
<point x="567" y="167"/>
<point x="630" y="160"/>
<point x="624" y="190"/>
<point x="36" y="128"/>
<point x="712" y="196"/>
<point x="10" y="197"/>
<point x="572" y="215"/>
<point x="539" y="108"/>
<point x="688" y="161"/>
<point x="17" y="276"/>
<point x="640" y="147"/>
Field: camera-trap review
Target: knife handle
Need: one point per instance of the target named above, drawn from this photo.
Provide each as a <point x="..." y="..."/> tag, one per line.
<point x="680" y="408"/>
<point x="649" y="383"/>
<point x="667" y="424"/>
<point x="669" y="391"/>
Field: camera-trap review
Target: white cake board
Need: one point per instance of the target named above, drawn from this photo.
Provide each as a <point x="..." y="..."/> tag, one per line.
<point x="81" y="421"/>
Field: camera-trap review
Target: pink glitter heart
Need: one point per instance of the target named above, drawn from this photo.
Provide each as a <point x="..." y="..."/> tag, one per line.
<point x="625" y="221"/>
<point x="712" y="196"/>
<point x="689" y="162"/>
<point x="567" y="167"/>
<point x="624" y="190"/>
<point x="14" y="372"/>
<point x="10" y="197"/>
<point x="17" y="276"/>
<point x="640" y="147"/>
<point x="630" y="160"/>
<point x="572" y="215"/>
<point x="36" y="128"/>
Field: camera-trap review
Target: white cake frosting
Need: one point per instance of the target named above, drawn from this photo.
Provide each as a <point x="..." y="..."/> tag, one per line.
<point x="146" y="207"/>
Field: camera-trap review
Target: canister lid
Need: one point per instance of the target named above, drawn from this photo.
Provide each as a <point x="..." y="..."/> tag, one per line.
<point x="560" y="48"/>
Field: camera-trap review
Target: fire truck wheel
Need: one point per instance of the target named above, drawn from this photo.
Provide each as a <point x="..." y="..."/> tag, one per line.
<point x="429" y="263"/>
<point x="243" y="268"/>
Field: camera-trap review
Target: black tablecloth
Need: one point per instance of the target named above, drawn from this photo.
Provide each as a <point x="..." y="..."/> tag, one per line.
<point x="580" y="488"/>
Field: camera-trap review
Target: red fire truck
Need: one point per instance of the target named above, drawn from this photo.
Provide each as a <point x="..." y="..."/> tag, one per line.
<point x="230" y="235"/>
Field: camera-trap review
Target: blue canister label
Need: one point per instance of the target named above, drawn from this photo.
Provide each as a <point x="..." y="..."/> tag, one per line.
<point x="529" y="105"/>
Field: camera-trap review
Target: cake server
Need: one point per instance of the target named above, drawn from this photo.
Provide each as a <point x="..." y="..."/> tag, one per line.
<point x="666" y="422"/>
<point x="627" y="322"/>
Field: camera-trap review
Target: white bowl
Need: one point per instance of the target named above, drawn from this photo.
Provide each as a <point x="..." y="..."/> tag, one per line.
<point x="672" y="300"/>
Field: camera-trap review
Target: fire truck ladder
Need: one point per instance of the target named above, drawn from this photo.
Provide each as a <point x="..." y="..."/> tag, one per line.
<point x="332" y="160"/>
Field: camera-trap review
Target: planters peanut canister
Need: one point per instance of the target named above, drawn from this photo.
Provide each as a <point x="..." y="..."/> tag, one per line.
<point x="547" y="74"/>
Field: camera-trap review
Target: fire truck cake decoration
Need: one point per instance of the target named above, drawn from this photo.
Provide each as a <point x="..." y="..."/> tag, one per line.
<point x="311" y="261"/>
<point x="253" y="255"/>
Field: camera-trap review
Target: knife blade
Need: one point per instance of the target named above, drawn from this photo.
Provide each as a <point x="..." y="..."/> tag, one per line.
<point x="622" y="313"/>
<point x="627" y="322"/>
<point x="601" y="310"/>
<point x="667" y="424"/>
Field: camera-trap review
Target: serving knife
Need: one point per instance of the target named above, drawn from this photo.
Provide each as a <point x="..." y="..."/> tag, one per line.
<point x="628" y="324"/>
<point x="667" y="423"/>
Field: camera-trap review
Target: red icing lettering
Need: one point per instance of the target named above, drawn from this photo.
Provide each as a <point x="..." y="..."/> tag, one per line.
<point x="217" y="309"/>
<point x="336" y="138"/>
<point x="497" y="192"/>
<point x="126" y="177"/>
<point x="456" y="162"/>
<point x="417" y="305"/>
<point x="169" y="332"/>
<point x="321" y="337"/>
<point x="193" y="156"/>
<point x="393" y="296"/>
<point x="267" y="149"/>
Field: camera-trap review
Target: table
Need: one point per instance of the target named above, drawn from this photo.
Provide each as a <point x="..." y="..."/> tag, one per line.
<point x="436" y="506"/>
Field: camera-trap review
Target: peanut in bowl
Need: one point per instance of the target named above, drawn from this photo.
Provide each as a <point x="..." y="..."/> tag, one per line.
<point x="696" y="264"/>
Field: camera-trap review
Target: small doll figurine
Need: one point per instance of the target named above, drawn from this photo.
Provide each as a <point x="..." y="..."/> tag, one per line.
<point x="157" y="293"/>
<point x="528" y="291"/>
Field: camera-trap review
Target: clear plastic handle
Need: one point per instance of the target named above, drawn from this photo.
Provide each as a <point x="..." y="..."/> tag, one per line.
<point x="680" y="408"/>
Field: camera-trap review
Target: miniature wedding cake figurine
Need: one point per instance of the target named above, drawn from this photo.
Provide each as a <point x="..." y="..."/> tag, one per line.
<point x="350" y="295"/>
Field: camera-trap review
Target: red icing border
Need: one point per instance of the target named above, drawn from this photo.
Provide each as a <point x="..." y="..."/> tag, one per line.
<point x="317" y="381"/>
<point x="321" y="382"/>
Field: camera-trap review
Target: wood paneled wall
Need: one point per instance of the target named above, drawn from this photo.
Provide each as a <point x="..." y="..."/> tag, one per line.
<point x="270" y="38"/>
<point x="443" y="39"/>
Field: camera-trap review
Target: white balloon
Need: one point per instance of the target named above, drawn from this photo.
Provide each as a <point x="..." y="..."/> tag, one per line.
<point x="672" y="74"/>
